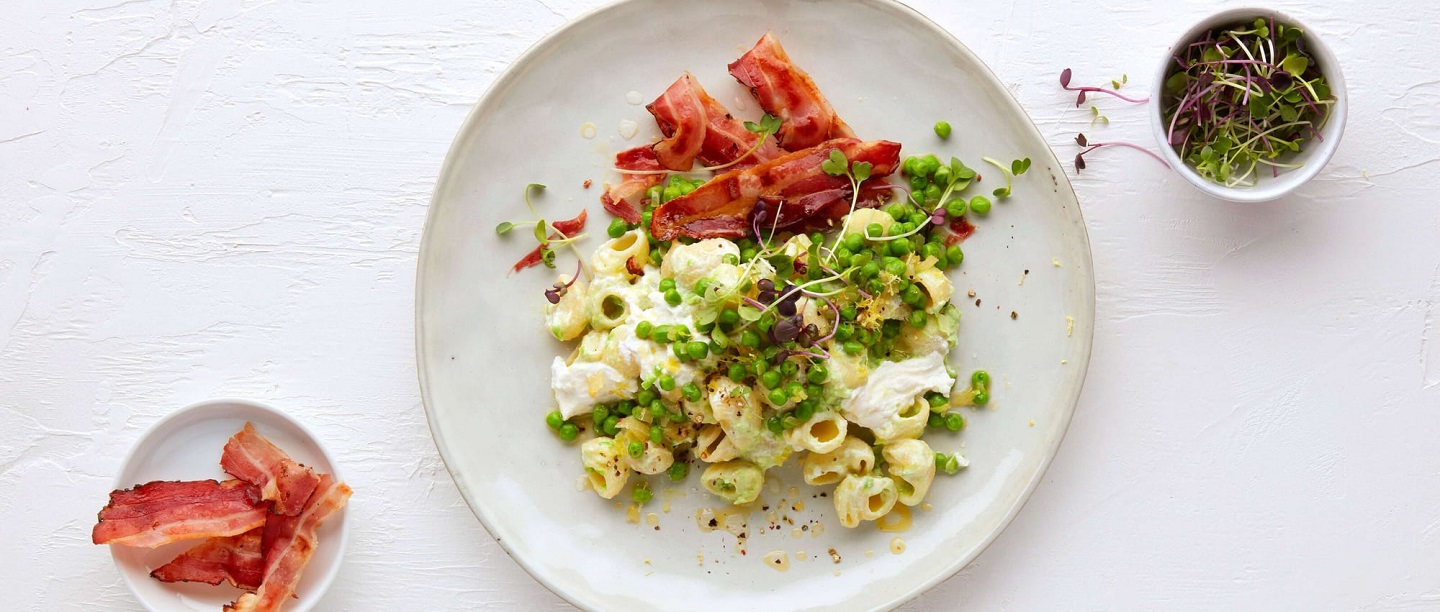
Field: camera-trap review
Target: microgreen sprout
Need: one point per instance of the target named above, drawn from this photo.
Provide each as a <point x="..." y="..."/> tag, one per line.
<point x="1082" y="141"/>
<point x="1016" y="168"/>
<point x="1080" y="99"/>
<point x="1242" y="97"/>
<point x="1095" y="116"/>
<point x="857" y="172"/>
<point x="1124" y="78"/>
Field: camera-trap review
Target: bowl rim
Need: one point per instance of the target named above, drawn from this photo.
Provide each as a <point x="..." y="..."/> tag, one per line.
<point x="342" y="540"/>
<point x="1270" y="189"/>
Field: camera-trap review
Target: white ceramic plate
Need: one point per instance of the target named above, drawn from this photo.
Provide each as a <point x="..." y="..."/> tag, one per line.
<point x="186" y="445"/>
<point x="484" y="355"/>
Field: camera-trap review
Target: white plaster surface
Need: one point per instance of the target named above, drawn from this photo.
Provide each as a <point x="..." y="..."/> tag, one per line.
<point x="224" y="198"/>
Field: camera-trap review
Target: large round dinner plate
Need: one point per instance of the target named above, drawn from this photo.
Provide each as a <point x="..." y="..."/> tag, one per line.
<point x="556" y="117"/>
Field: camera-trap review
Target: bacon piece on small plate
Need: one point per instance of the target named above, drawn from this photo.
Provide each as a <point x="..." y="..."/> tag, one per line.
<point x="794" y="187"/>
<point x="162" y="512"/>
<point x="254" y="459"/>
<point x="787" y="92"/>
<point x="563" y="229"/>
<point x="956" y="231"/>
<point x="287" y="544"/>
<point x="725" y="138"/>
<point x="626" y="199"/>
<point x="234" y="559"/>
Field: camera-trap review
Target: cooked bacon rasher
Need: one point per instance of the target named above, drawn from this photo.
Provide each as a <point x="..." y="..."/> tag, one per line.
<point x="563" y="229"/>
<point x="787" y="92"/>
<point x="793" y="186"/>
<point x="252" y="458"/>
<point x="234" y="559"/>
<point x="686" y="109"/>
<point x="626" y="199"/>
<point x="287" y="544"/>
<point x="161" y="512"/>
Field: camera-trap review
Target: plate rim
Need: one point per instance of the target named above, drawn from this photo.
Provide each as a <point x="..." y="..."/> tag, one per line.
<point x="331" y="573"/>
<point x="1086" y="337"/>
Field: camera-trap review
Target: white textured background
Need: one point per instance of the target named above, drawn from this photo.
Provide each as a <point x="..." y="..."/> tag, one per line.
<point x="224" y="198"/>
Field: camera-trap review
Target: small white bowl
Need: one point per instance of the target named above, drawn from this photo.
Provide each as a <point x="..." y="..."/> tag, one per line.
<point x="186" y="445"/>
<point x="1315" y="154"/>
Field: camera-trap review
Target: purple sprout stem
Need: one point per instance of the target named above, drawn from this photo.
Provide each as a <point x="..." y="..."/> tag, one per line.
<point x="1111" y="92"/>
<point x="754" y="303"/>
<point x="1128" y="145"/>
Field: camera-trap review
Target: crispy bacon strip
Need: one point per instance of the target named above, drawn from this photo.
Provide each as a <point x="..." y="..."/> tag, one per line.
<point x="234" y="559"/>
<point x="568" y="227"/>
<point x="682" y="119"/>
<point x="627" y="199"/>
<point x="725" y="137"/>
<point x="161" y="512"/>
<point x="792" y="186"/>
<point x="787" y="92"/>
<point x="254" y="459"/>
<point x="287" y="544"/>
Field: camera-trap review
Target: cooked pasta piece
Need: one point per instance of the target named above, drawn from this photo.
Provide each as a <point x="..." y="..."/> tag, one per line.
<point x="912" y="467"/>
<point x="936" y="287"/>
<point x="688" y="263"/>
<point x="863" y="217"/>
<point x="736" y="481"/>
<point x="740" y="414"/>
<point x="608" y="302"/>
<point x="853" y="457"/>
<point x="653" y="458"/>
<point x="909" y="422"/>
<point x="607" y="471"/>
<point x="824" y="432"/>
<point x="570" y="317"/>
<point x="617" y="255"/>
<point x="864" y="498"/>
<point x="711" y="445"/>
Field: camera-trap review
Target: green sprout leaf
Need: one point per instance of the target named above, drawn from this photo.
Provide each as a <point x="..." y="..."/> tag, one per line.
<point x="540" y="233"/>
<point x="504" y="227"/>
<point x="860" y="170"/>
<point x="548" y="257"/>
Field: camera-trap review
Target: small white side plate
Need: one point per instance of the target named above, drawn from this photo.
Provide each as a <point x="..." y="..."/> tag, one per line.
<point x="186" y="445"/>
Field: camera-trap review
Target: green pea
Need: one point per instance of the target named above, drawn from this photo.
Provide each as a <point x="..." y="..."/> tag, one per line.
<point x="853" y="348"/>
<point x="804" y="410"/>
<point x="943" y="176"/>
<point x="672" y="297"/>
<point x="980" y="379"/>
<point x="954" y="422"/>
<point x="691" y="392"/>
<point x="678" y="471"/>
<point x="641" y="495"/>
<point x="874" y="230"/>
<point x="697" y="350"/>
<point x="669" y="193"/>
<point x="657" y="410"/>
<point x="656" y="257"/>
<point x="642" y="329"/>
<point x="913" y="296"/>
<point x="686" y="188"/>
<point x="653" y="194"/>
<point x="644" y="397"/>
<point x="730" y="258"/>
<point x="748" y="254"/>
<point x="954" y="255"/>
<point x="617" y="228"/>
<point x="874" y="286"/>
<point x="660" y="333"/>
<point x="778" y="397"/>
<point x="908" y="166"/>
<point x="932" y="193"/>
<point x="737" y="372"/>
<point x="936" y="420"/>
<point x="860" y="259"/>
<point x="657" y="435"/>
<point x="845" y="331"/>
<point x="864" y="336"/>
<point x="936" y="400"/>
<point x="917" y="218"/>
<point x="666" y="284"/>
<point x="554" y="419"/>
<point x="775" y="425"/>
<point x="895" y="266"/>
<point x="917" y="318"/>
<point x="942" y="129"/>
<point x="890" y="328"/>
<point x="636" y="449"/>
<point x="817" y="374"/>
<point x="728" y="317"/>
<point x="789" y="368"/>
<point x="955" y="207"/>
<point x="900" y="248"/>
<point x="918" y="182"/>
<point x="599" y="414"/>
<point x="568" y="432"/>
<point x="855" y="241"/>
<point x="770" y="379"/>
<point x="766" y="322"/>
<point x="624" y="407"/>
<point x="931" y="250"/>
<point x="666" y="382"/>
<point x="980" y="204"/>
<point x="901" y="228"/>
<point x="678" y="349"/>
<point x="981" y="398"/>
<point x="848" y="312"/>
<point x="611" y="426"/>
<point x="815" y="391"/>
<point x="870" y="270"/>
<point x="842" y="253"/>
<point x="749" y="339"/>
